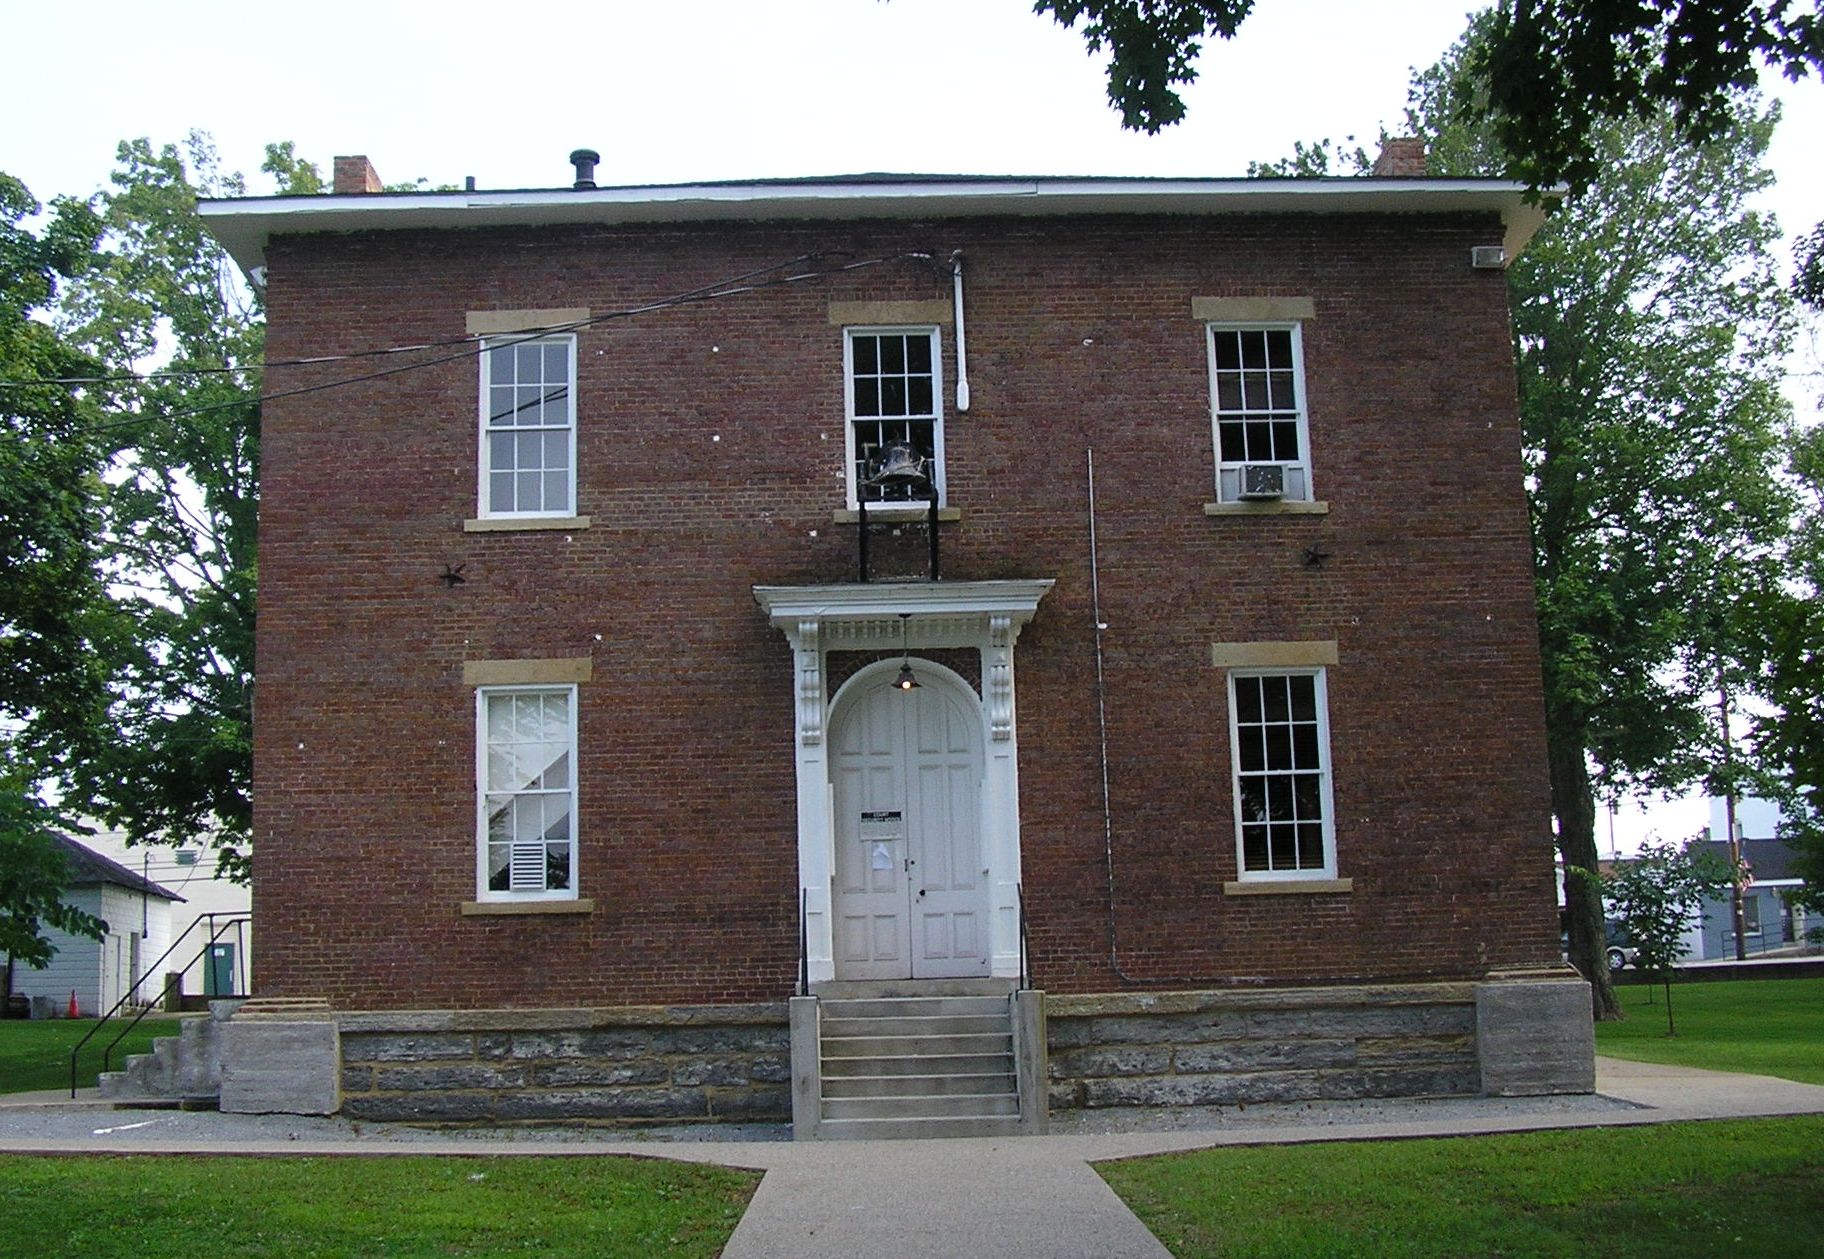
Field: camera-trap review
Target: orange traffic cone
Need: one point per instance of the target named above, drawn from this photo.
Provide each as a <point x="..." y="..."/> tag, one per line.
<point x="75" y="1010"/>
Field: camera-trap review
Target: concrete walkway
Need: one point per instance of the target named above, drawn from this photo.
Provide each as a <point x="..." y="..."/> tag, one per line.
<point x="1036" y="1197"/>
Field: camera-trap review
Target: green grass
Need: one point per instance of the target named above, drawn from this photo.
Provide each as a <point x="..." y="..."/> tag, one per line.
<point x="1761" y="1026"/>
<point x="1745" y="1187"/>
<point x="35" y="1053"/>
<point x="300" y="1208"/>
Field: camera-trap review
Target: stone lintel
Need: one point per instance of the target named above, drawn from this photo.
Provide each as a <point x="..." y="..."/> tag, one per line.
<point x="861" y="314"/>
<point x="1253" y="309"/>
<point x="535" y="672"/>
<point x="489" y="323"/>
<point x="1265" y="655"/>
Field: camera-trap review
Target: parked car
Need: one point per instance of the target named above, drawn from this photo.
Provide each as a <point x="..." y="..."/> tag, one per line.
<point x="1620" y="949"/>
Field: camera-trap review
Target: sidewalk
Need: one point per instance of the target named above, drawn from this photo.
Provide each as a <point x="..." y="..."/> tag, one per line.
<point x="1032" y="1196"/>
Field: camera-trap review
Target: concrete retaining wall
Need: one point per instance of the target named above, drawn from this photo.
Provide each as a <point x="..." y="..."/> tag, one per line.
<point x="1205" y="1048"/>
<point x="643" y="1064"/>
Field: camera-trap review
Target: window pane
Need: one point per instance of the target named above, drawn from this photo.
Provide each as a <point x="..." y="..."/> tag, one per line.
<point x="1279" y="746"/>
<point x="1247" y="699"/>
<point x="1273" y="698"/>
<point x="1281" y="386"/>
<point x="557" y="867"/>
<point x="918" y="354"/>
<point x="919" y="400"/>
<point x="1304" y="745"/>
<point x="892" y="354"/>
<point x="1279" y="347"/>
<point x="1251" y="748"/>
<point x="1254" y="391"/>
<point x="500" y="451"/>
<point x="1279" y="798"/>
<point x="1303" y="688"/>
<point x="1285" y="440"/>
<point x="557" y="768"/>
<point x="500" y="819"/>
<point x="892" y="396"/>
<point x="499" y="873"/>
<point x="1260" y="440"/>
<point x="1228" y="350"/>
<point x="500" y="492"/>
<point x="556" y="449"/>
<point x="525" y="492"/>
<point x="1253" y="800"/>
<point x="1310" y="846"/>
<point x="867" y="397"/>
<point x="866" y="355"/>
<point x="1284" y="852"/>
<point x="1253" y="349"/>
<point x="1228" y="392"/>
<point x="500" y="366"/>
<point x="557" y="362"/>
<point x="1233" y="450"/>
<point x="1254" y="847"/>
<point x="500" y="405"/>
<point x="557" y="491"/>
<point x="1307" y="797"/>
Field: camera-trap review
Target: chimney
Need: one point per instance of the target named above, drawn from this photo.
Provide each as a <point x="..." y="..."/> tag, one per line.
<point x="584" y="160"/>
<point x="1402" y="157"/>
<point x="356" y="175"/>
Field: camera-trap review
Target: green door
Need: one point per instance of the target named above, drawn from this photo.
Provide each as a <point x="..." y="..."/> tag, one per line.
<point x="218" y="975"/>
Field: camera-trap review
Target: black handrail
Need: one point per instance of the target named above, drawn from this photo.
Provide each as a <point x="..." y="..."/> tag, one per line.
<point x="133" y="989"/>
<point x="1019" y="895"/>
<point x="804" y="943"/>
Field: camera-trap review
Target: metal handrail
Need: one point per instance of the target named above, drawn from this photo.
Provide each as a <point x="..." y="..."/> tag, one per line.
<point x="133" y="990"/>
<point x="804" y="943"/>
<point x="1019" y="896"/>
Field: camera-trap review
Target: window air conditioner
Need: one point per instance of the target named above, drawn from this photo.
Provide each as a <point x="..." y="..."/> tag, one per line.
<point x="1263" y="481"/>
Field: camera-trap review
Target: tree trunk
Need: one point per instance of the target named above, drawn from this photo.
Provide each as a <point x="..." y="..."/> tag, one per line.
<point x="1575" y="805"/>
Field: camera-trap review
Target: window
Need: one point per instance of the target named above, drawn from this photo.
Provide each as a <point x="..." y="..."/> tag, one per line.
<point x="1257" y="397"/>
<point x="1280" y="740"/>
<point x="528" y="427"/>
<point x="895" y="391"/>
<point x="526" y="784"/>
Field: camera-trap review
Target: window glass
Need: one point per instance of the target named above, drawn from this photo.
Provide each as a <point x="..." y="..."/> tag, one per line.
<point x="528" y="428"/>
<point x="528" y="790"/>
<point x="1281" y="786"/>
<point x="1255" y="388"/>
<point x="893" y="396"/>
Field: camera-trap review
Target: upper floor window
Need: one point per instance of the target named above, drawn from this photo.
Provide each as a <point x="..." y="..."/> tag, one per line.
<point x="1257" y="397"/>
<point x="528" y="427"/>
<point x="1279" y="732"/>
<point x="526" y="773"/>
<point x="895" y="390"/>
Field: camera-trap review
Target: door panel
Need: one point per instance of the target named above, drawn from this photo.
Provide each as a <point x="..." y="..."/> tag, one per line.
<point x="911" y="898"/>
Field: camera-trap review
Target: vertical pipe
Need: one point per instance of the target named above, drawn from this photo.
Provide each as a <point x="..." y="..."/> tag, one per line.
<point x="1735" y="842"/>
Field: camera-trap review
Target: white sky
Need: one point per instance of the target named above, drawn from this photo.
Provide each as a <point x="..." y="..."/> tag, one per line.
<point x="722" y="89"/>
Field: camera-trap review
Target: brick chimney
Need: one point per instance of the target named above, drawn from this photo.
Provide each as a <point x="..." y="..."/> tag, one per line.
<point x="356" y="175"/>
<point x="1402" y="157"/>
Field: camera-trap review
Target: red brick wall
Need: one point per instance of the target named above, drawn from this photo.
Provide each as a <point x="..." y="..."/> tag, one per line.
<point x="1080" y="335"/>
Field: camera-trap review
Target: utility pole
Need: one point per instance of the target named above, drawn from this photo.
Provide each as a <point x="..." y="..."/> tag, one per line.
<point x="1735" y="840"/>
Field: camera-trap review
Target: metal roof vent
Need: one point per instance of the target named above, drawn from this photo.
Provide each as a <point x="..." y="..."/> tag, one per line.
<point x="584" y="160"/>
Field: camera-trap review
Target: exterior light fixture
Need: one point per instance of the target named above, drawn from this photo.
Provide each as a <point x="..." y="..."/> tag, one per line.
<point x="906" y="681"/>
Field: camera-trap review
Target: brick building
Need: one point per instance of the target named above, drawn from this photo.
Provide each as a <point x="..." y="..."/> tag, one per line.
<point x="581" y="745"/>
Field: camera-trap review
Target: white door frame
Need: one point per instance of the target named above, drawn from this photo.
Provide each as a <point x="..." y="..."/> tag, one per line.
<point x="983" y="615"/>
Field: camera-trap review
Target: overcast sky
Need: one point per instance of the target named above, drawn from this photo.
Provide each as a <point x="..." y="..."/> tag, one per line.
<point x="720" y="89"/>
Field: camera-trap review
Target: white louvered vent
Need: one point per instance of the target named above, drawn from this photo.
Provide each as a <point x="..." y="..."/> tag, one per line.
<point x="528" y="870"/>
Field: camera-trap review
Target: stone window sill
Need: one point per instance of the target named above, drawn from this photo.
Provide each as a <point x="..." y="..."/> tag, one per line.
<point x="495" y="909"/>
<point x="1287" y="887"/>
<point x="527" y="524"/>
<point x="1272" y="507"/>
<point x="896" y="515"/>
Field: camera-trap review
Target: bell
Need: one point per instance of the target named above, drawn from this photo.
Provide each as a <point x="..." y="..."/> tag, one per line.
<point x="901" y="464"/>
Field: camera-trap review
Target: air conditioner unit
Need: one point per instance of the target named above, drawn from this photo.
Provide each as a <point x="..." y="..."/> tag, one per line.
<point x="1263" y="480"/>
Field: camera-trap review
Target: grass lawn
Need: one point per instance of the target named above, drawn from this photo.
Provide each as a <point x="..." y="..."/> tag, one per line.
<point x="1762" y="1026"/>
<point x="1745" y="1187"/>
<point x="35" y="1053"/>
<point x="299" y="1208"/>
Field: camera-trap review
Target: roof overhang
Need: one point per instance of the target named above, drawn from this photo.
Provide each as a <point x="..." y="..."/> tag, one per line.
<point x="246" y="225"/>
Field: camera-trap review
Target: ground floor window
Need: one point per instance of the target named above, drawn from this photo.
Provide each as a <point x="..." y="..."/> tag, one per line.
<point x="1279" y="734"/>
<point x="526" y="779"/>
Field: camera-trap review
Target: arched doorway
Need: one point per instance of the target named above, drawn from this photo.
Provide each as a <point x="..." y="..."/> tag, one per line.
<point x="910" y="892"/>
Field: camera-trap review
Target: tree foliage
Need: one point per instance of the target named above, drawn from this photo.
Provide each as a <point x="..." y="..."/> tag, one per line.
<point x="33" y="877"/>
<point x="1650" y="327"/>
<point x="1656" y="895"/>
<point x="180" y="511"/>
<point x="1152" y="48"/>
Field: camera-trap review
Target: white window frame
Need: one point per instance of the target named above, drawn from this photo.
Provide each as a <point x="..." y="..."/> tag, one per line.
<point x="1322" y="699"/>
<point x="850" y="419"/>
<point x="1228" y="472"/>
<point x="482" y="891"/>
<point x="484" y="505"/>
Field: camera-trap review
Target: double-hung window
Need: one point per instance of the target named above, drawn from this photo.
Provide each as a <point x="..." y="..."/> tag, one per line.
<point x="895" y="394"/>
<point x="1280" y="737"/>
<point x="1257" y="399"/>
<point x="526" y="792"/>
<point x="528" y="427"/>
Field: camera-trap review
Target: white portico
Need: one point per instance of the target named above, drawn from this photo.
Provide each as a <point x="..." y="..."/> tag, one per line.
<point x="908" y="801"/>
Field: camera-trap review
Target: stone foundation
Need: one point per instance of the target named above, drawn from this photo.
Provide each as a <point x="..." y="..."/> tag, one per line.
<point x="1295" y="1044"/>
<point x="630" y="1065"/>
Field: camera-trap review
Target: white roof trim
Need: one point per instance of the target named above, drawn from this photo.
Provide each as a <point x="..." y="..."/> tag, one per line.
<point x="786" y="606"/>
<point x="245" y="225"/>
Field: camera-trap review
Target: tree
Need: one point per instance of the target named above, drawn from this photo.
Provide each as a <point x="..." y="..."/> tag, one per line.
<point x="1650" y="326"/>
<point x="1656" y="895"/>
<point x="50" y="689"/>
<point x="180" y="512"/>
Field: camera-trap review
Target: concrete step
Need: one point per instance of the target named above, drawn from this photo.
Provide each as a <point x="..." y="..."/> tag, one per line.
<point x="916" y="1025"/>
<point x="916" y="1046"/>
<point x="842" y="989"/>
<point x="900" y="1007"/>
<point x="917" y="1064"/>
<point x="914" y="1129"/>
<point x="918" y="1085"/>
<point x="938" y="1106"/>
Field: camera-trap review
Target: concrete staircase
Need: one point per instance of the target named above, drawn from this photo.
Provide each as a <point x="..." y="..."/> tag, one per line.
<point x="181" y="1071"/>
<point x="926" y="1059"/>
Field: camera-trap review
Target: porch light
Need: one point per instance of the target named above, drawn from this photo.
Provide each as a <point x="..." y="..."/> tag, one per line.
<point x="905" y="682"/>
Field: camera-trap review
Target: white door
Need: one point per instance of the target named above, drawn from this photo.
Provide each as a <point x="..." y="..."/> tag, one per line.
<point x="911" y="895"/>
